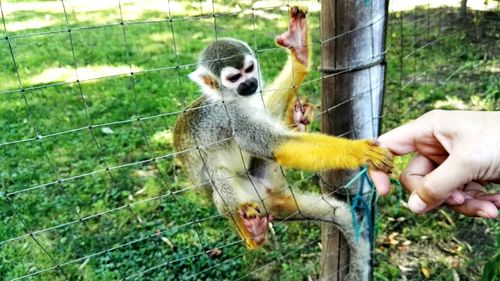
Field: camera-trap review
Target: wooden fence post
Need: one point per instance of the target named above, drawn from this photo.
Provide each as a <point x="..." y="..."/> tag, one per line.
<point x="353" y="67"/>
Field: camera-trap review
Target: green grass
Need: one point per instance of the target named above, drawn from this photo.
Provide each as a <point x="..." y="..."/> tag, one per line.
<point x="450" y="65"/>
<point x="156" y="222"/>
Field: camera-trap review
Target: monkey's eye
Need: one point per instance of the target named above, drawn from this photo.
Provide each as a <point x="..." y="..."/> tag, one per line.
<point x="249" y="69"/>
<point x="234" y="78"/>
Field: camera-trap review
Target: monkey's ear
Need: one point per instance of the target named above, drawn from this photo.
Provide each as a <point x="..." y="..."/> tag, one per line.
<point x="205" y="79"/>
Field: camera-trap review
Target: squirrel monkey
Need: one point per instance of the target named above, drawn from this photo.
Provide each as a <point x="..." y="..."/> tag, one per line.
<point x="236" y="141"/>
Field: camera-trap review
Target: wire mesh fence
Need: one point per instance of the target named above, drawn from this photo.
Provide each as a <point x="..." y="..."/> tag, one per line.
<point x="441" y="58"/>
<point x="89" y="185"/>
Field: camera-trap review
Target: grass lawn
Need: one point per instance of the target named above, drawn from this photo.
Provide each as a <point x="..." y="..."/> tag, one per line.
<point x="89" y="186"/>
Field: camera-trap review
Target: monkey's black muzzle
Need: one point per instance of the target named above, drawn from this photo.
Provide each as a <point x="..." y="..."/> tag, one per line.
<point x="248" y="87"/>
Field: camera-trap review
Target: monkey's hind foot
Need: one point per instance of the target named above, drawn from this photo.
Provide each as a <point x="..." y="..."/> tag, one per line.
<point x="296" y="36"/>
<point x="255" y="224"/>
<point x="376" y="157"/>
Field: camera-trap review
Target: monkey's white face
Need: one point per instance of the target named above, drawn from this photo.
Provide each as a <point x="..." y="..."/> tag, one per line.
<point x="244" y="81"/>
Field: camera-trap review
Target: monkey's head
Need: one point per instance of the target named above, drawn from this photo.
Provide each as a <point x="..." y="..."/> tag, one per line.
<point x="227" y="67"/>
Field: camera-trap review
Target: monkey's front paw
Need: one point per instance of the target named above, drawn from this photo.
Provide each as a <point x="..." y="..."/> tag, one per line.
<point x="376" y="157"/>
<point x="296" y="36"/>
<point x="302" y="115"/>
<point x="255" y="224"/>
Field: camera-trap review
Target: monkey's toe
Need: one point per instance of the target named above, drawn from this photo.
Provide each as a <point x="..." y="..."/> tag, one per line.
<point x="378" y="158"/>
<point x="298" y="11"/>
<point x="249" y="210"/>
<point x="255" y="224"/>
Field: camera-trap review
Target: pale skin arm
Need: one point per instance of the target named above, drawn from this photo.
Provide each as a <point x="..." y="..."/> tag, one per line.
<point x="457" y="154"/>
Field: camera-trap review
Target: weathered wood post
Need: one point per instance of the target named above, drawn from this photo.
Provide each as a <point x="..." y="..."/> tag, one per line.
<point x="352" y="64"/>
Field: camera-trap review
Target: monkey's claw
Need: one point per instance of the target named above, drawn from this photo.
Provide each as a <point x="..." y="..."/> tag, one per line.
<point x="296" y="38"/>
<point x="377" y="157"/>
<point x="298" y="12"/>
<point x="254" y="223"/>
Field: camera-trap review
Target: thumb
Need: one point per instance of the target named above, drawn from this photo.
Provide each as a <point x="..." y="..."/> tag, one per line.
<point x="438" y="185"/>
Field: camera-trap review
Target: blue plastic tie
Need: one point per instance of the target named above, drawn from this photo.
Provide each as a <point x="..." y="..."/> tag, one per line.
<point x="359" y="203"/>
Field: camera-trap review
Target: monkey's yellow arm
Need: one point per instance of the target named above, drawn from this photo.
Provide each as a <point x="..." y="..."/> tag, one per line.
<point x="316" y="152"/>
<point x="283" y="91"/>
<point x="280" y="95"/>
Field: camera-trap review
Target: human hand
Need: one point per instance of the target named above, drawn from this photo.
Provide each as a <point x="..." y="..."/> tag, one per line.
<point x="457" y="153"/>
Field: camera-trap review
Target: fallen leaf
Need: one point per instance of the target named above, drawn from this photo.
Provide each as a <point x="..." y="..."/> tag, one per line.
<point x="450" y="248"/>
<point x="163" y="137"/>
<point x="107" y="130"/>
<point x="405" y="269"/>
<point x="214" y="253"/>
<point x="426" y="272"/>
<point x="167" y="241"/>
<point x="140" y="191"/>
<point x="392" y="238"/>
<point x="143" y="173"/>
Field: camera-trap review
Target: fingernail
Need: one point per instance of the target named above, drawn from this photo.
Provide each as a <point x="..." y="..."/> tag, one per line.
<point x="484" y="214"/>
<point x="416" y="204"/>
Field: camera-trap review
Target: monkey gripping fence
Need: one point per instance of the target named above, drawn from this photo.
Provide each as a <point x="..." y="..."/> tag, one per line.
<point x="54" y="225"/>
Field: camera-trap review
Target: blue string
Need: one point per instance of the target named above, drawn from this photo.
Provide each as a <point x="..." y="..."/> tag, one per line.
<point x="356" y="199"/>
<point x="359" y="204"/>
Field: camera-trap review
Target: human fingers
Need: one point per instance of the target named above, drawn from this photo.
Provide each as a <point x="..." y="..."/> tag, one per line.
<point x="419" y="135"/>
<point x="413" y="176"/>
<point x="472" y="189"/>
<point x="439" y="184"/>
<point x="493" y="198"/>
<point x="473" y="207"/>
<point x="414" y="173"/>
<point x="470" y="202"/>
<point x="382" y="184"/>
<point x="477" y="191"/>
<point x="478" y="204"/>
<point x="401" y="140"/>
<point x="381" y="181"/>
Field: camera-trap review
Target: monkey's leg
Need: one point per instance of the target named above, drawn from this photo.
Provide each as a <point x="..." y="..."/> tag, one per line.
<point x="281" y="93"/>
<point x="233" y="198"/>
<point x="317" y="152"/>
<point x="325" y="209"/>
